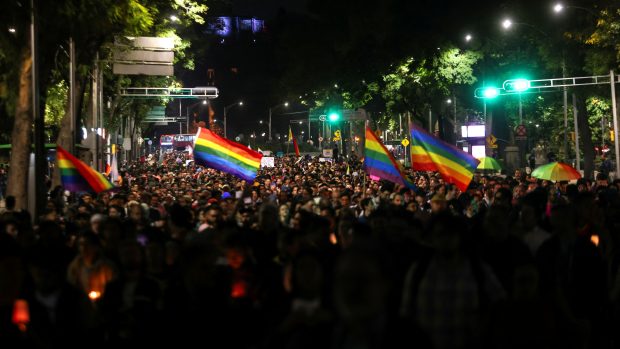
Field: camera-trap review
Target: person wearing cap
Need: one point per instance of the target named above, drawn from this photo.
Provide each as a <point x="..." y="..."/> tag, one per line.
<point x="438" y="203"/>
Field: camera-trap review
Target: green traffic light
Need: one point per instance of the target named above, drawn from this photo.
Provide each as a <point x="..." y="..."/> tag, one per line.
<point x="333" y="116"/>
<point x="490" y="92"/>
<point x="517" y="85"/>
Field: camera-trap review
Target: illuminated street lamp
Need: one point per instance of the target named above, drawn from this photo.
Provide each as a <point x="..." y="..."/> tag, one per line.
<point x="226" y="109"/>
<point x="507" y="23"/>
<point x="285" y="104"/>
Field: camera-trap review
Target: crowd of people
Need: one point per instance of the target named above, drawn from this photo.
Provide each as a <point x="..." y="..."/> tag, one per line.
<point x="314" y="255"/>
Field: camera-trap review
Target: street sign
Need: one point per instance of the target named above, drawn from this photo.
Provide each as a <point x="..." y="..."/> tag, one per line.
<point x="520" y="133"/>
<point x="492" y="141"/>
<point x="337" y="135"/>
<point x="404" y="142"/>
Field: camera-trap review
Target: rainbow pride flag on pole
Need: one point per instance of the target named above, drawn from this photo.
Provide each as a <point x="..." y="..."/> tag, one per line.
<point x="77" y="176"/>
<point x="378" y="162"/>
<point x="211" y="150"/>
<point x="429" y="153"/>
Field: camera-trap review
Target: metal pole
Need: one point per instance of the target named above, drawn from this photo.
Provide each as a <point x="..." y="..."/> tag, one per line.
<point x="270" y="125"/>
<point x="100" y="120"/>
<point x="94" y="100"/>
<point x="614" y="109"/>
<point x="180" y="122"/>
<point x="520" y="111"/>
<point x="577" y="154"/>
<point x="72" y="113"/>
<point x="39" y="142"/>
<point x="565" y="111"/>
<point x="565" y="123"/>
<point x="225" y="133"/>
<point x="187" y="117"/>
<point x="430" y="120"/>
<point x="455" y="125"/>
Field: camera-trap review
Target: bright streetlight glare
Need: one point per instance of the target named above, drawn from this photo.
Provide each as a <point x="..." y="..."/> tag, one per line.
<point x="174" y="18"/>
<point x="301" y="122"/>
<point x="12" y="30"/>
<point x="449" y="101"/>
<point x="263" y="134"/>
<point x="204" y="102"/>
<point x="260" y="122"/>
<point x="468" y="37"/>
<point x="557" y="8"/>
<point x="336" y="85"/>
<point x="507" y="23"/>
<point x="286" y="104"/>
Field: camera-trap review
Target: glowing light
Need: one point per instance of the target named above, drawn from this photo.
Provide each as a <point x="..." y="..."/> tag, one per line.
<point x="557" y="8"/>
<point x="204" y="102"/>
<point x="595" y="240"/>
<point x="174" y="18"/>
<point x="507" y="23"/>
<point x="468" y="37"/>
<point x="286" y="104"/>
<point x="21" y="314"/>
<point x="94" y="295"/>
<point x="333" y="239"/>
<point x="12" y="30"/>
<point x="490" y="92"/>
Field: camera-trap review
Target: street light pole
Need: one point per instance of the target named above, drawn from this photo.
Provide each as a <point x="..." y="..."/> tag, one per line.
<point x="225" y="114"/>
<point x="270" y="125"/>
<point x="270" y="113"/>
<point x="614" y="109"/>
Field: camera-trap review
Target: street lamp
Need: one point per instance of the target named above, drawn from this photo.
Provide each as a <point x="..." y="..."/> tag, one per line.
<point x="204" y="102"/>
<point x="285" y="104"/>
<point x="559" y="7"/>
<point x="240" y="103"/>
<point x="174" y="18"/>
<point x="508" y="23"/>
<point x="468" y="38"/>
<point x="12" y="30"/>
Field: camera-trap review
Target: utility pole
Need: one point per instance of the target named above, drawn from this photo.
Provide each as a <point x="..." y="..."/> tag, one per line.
<point x="269" y="125"/>
<point x="577" y="154"/>
<point x="39" y="124"/>
<point x="614" y="108"/>
<point x="72" y="113"/>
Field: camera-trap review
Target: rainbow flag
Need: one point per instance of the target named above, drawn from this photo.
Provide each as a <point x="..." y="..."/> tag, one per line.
<point x="211" y="150"/>
<point x="378" y="162"/>
<point x="429" y="153"/>
<point x="77" y="176"/>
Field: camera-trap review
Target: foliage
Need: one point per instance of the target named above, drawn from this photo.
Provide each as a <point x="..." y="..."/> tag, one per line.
<point x="55" y="103"/>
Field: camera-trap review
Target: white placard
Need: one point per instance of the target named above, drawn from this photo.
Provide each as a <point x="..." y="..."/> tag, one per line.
<point x="267" y="161"/>
<point x="328" y="153"/>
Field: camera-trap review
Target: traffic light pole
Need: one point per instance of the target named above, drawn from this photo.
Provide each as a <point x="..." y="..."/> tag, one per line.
<point x="552" y="85"/>
<point x="614" y="109"/>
